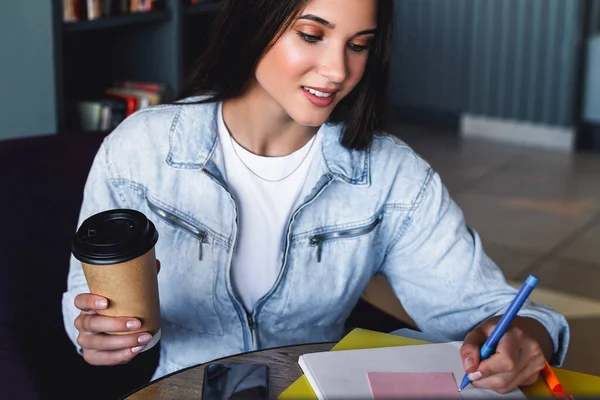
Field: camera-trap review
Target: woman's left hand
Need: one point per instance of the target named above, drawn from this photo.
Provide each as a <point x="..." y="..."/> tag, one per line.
<point x="520" y="355"/>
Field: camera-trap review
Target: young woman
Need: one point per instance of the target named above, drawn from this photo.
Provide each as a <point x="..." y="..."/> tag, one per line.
<point x="277" y="198"/>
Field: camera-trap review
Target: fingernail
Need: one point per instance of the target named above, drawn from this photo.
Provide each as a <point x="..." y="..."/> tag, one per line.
<point x="468" y="362"/>
<point x="133" y="324"/>
<point x="101" y="303"/>
<point x="473" y="376"/>
<point x="137" y="349"/>
<point x="143" y="339"/>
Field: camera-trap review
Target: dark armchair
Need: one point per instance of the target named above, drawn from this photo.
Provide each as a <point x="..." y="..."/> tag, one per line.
<point x="41" y="188"/>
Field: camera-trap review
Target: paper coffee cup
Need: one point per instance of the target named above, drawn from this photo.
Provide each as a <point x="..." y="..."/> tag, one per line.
<point x="116" y="251"/>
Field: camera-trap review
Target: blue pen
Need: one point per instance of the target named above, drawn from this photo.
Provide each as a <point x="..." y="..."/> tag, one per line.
<point x="490" y="344"/>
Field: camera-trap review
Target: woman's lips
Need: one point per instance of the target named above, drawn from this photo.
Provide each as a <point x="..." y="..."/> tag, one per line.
<point x="319" y="97"/>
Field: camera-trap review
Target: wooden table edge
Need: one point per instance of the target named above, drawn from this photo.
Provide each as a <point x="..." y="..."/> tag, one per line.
<point x="187" y="382"/>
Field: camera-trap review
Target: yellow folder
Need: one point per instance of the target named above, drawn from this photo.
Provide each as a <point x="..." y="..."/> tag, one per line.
<point x="575" y="383"/>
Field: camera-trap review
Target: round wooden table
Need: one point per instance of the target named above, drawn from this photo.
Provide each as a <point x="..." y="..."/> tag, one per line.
<point x="187" y="383"/>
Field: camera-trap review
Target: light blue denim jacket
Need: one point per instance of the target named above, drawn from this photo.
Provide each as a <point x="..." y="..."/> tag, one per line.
<point x="359" y="213"/>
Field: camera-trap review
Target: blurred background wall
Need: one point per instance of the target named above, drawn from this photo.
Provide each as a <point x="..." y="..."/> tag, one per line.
<point x="509" y="70"/>
<point x="27" y="90"/>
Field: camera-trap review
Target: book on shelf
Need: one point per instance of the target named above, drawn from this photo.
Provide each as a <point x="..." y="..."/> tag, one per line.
<point x="70" y="10"/>
<point x="141" y="5"/>
<point x="95" y="9"/>
<point x="117" y="103"/>
<point x="130" y="103"/>
<point x="87" y="10"/>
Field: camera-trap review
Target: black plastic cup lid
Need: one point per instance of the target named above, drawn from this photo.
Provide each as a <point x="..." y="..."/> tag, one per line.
<point x="114" y="237"/>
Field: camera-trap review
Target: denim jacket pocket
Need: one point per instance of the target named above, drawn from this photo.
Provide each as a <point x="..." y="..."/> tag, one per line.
<point x="321" y="238"/>
<point x="342" y="260"/>
<point x="188" y="276"/>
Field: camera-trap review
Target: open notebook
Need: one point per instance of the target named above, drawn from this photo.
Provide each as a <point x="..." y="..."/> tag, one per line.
<point x="343" y="374"/>
<point x="576" y="383"/>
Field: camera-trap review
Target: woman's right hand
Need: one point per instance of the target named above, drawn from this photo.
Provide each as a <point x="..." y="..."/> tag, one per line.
<point x="100" y="348"/>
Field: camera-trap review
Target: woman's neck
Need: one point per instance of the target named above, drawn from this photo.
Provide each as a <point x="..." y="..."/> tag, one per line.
<point x="261" y="126"/>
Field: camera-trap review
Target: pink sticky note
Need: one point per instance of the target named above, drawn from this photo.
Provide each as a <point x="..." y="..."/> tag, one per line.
<point x="397" y="385"/>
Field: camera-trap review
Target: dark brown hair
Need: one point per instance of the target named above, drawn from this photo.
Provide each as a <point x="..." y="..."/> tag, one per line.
<point x="246" y="29"/>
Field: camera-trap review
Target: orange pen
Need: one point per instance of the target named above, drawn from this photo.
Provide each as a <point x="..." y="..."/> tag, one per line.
<point x="555" y="385"/>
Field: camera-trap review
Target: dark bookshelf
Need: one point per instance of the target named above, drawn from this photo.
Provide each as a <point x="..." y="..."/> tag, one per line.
<point x="203" y="8"/>
<point x="156" y="46"/>
<point x="123" y="20"/>
<point x="196" y="24"/>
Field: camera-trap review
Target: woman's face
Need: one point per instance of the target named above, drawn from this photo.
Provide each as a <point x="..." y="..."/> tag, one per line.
<point x="319" y="59"/>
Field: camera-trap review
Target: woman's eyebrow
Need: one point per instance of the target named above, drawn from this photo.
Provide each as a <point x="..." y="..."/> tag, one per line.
<point x="366" y="32"/>
<point x="327" y="24"/>
<point x="318" y="20"/>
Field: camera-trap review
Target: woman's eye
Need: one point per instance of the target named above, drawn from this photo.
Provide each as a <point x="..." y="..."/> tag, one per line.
<point x="309" y="38"/>
<point x="358" y="48"/>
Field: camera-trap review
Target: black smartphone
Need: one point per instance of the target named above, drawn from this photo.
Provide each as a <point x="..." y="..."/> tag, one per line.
<point x="236" y="381"/>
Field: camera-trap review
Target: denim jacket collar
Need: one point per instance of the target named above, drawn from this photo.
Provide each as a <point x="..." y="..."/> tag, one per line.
<point x="194" y="138"/>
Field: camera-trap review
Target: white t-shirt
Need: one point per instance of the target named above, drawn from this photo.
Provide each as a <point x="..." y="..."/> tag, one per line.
<point x="264" y="208"/>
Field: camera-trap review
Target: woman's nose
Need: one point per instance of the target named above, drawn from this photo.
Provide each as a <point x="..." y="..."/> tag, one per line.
<point x="334" y="66"/>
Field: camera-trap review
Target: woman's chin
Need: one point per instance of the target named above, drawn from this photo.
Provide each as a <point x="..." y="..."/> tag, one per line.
<point x="313" y="120"/>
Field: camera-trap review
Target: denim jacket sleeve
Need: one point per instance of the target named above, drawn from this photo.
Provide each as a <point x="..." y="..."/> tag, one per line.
<point x="442" y="276"/>
<point x="98" y="195"/>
